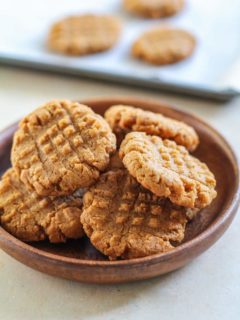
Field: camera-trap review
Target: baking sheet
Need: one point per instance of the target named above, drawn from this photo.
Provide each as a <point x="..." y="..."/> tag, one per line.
<point x="216" y="25"/>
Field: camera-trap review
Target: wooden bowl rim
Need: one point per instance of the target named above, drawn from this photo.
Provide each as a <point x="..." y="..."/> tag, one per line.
<point x="219" y="221"/>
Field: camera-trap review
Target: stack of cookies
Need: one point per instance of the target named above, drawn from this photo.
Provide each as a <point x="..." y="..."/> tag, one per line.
<point x="128" y="182"/>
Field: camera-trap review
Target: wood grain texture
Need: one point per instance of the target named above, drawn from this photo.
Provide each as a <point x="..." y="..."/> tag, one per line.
<point x="79" y="260"/>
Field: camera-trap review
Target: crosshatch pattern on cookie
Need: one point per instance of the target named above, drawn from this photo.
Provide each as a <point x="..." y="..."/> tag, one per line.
<point x="84" y="34"/>
<point x="61" y="147"/>
<point x="123" y="119"/>
<point x="168" y="170"/>
<point x="123" y="219"/>
<point x="162" y="46"/>
<point x="31" y="217"/>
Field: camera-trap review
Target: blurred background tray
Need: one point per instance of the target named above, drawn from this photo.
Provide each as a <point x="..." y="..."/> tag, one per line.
<point x="212" y="71"/>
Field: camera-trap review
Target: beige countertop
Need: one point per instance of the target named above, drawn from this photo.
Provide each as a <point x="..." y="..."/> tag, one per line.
<point x="208" y="288"/>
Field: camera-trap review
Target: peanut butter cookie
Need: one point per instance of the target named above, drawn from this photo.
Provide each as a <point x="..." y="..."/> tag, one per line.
<point x="31" y="217"/>
<point x="123" y="119"/>
<point x="123" y="219"/>
<point x="61" y="147"/>
<point x="153" y="8"/>
<point x="168" y="170"/>
<point x="84" y="34"/>
<point x="162" y="46"/>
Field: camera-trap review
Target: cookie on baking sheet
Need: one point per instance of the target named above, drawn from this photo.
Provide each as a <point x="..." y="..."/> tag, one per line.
<point x="123" y="219"/>
<point x="60" y="147"/>
<point x="168" y="170"/>
<point x="162" y="46"/>
<point x="31" y="217"/>
<point x="153" y="8"/>
<point x="84" y="34"/>
<point x="123" y="119"/>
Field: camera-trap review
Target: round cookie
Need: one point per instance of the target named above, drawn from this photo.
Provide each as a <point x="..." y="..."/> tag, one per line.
<point x="168" y="170"/>
<point x="124" y="119"/>
<point x="31" y="217"/>
<point x="153" y="8"/>
<point x="123" y="219"/>
<point x="163" y="46"/>
<point x="61" y="147"/>
<point x="84" y="34"/>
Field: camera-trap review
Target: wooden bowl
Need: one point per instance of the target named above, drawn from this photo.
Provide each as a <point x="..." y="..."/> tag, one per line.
<point x="79" y="260"/>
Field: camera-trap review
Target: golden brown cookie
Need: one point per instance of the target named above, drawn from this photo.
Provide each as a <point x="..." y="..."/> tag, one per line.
<point x="31" y="217"/>
<point x="123" y="219"/>
<point x="153" y="8"/>
<point x="168" y="170"/>
<point x="123" y="119"/>
<point x="61" y="147"/>
<point x="164" y="46"/>
<point x="84" y="34"/>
